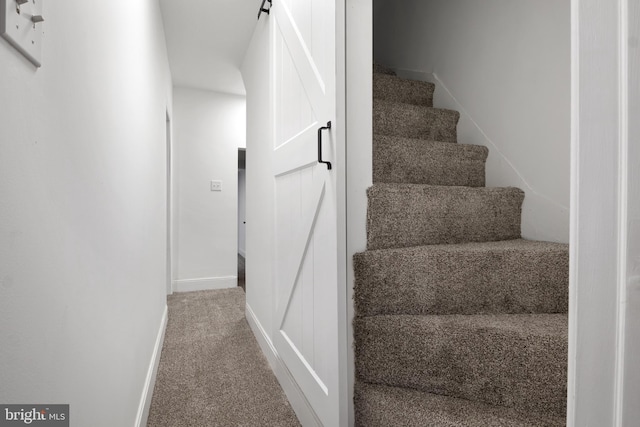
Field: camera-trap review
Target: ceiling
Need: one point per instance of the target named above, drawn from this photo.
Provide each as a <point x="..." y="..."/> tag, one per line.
<point x="207" y="39"/>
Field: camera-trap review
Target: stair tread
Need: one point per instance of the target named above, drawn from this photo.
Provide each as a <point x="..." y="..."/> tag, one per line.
<point x="509" y="276"/>
<point x="512" y="360"/>
<point x="408" y="160"/>
<point x="393" y="88"/>
<point x="414" y="121"/>
<point x="412" y="107"/>
<point x="379" y="405"/>
<point x="403" y="215"/>
<point x="514" y="244"/>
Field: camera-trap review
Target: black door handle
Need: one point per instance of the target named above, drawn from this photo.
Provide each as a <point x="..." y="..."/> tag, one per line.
<point x="327" y="127"/>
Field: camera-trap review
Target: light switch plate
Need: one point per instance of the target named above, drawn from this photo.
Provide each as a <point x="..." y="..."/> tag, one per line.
<point x="216" y="185"/>
<point x="18" y="29"/>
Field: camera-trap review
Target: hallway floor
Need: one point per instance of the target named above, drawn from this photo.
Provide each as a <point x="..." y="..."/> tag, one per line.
<point x="212" y="372"/>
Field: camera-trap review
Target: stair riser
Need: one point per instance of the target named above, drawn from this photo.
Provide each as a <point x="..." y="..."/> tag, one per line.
<point x="401" y="160"/>
<point x="381" y="69"/>
<point x="521" y="278"/>
<point x="392" y="88"/>
<point x="382" y="406"/>
<point x="495" y="366"/>
<point x="414" y="215"/>
<point x="411" y="121"/>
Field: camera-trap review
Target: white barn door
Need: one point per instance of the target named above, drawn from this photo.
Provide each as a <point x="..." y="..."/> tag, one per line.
<point x="306" y="334"/>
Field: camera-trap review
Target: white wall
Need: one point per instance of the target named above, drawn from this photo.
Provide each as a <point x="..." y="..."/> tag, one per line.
<point x="242" y="209"/>
<point x="604" y="303"/>
<point x="208" y="129"/>
<point x="631" y="373"/>
<point x="506" y="67"/>
<point x="83" y="210"/>
<point x="359" y="147"/>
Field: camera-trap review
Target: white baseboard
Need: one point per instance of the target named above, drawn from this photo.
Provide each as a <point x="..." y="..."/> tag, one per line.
<point x="152" y="372"/>
<point x="301" y="406"/>
<point x="205" y="284"/>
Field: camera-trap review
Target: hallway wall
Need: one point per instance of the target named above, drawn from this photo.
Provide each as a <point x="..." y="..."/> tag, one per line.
<point x="83" y="210"/>
<point x="208" y="128"/>
<point x="506" y="67"/>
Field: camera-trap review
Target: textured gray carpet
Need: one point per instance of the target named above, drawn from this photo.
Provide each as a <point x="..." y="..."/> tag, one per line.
<point x="510" y="276"/>
<point x="401" y="215"/>
<point x="382" y="406"/>
<point x="459" y="322"/>
<point x="414" y="121"/>
<point x="401" y="90"/>
<point x="415" y="161"/>
<point x="212" y="372"/>
<point x="517" y="361"/>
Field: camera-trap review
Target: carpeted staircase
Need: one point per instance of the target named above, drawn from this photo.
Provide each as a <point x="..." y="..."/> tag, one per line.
<point x="459" y="321"/>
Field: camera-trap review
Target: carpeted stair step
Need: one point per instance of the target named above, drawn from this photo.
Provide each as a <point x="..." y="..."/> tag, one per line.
<point x="511" y="276"/>
<point x="402" y="215"/>
<point x="392" y="88"/>
<point x="414" y="121"/>
<point x="511" y="360"/>
<point x="382" y="69"/>
<point x="383" y="406"/>
<point x="415" y="161"/>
